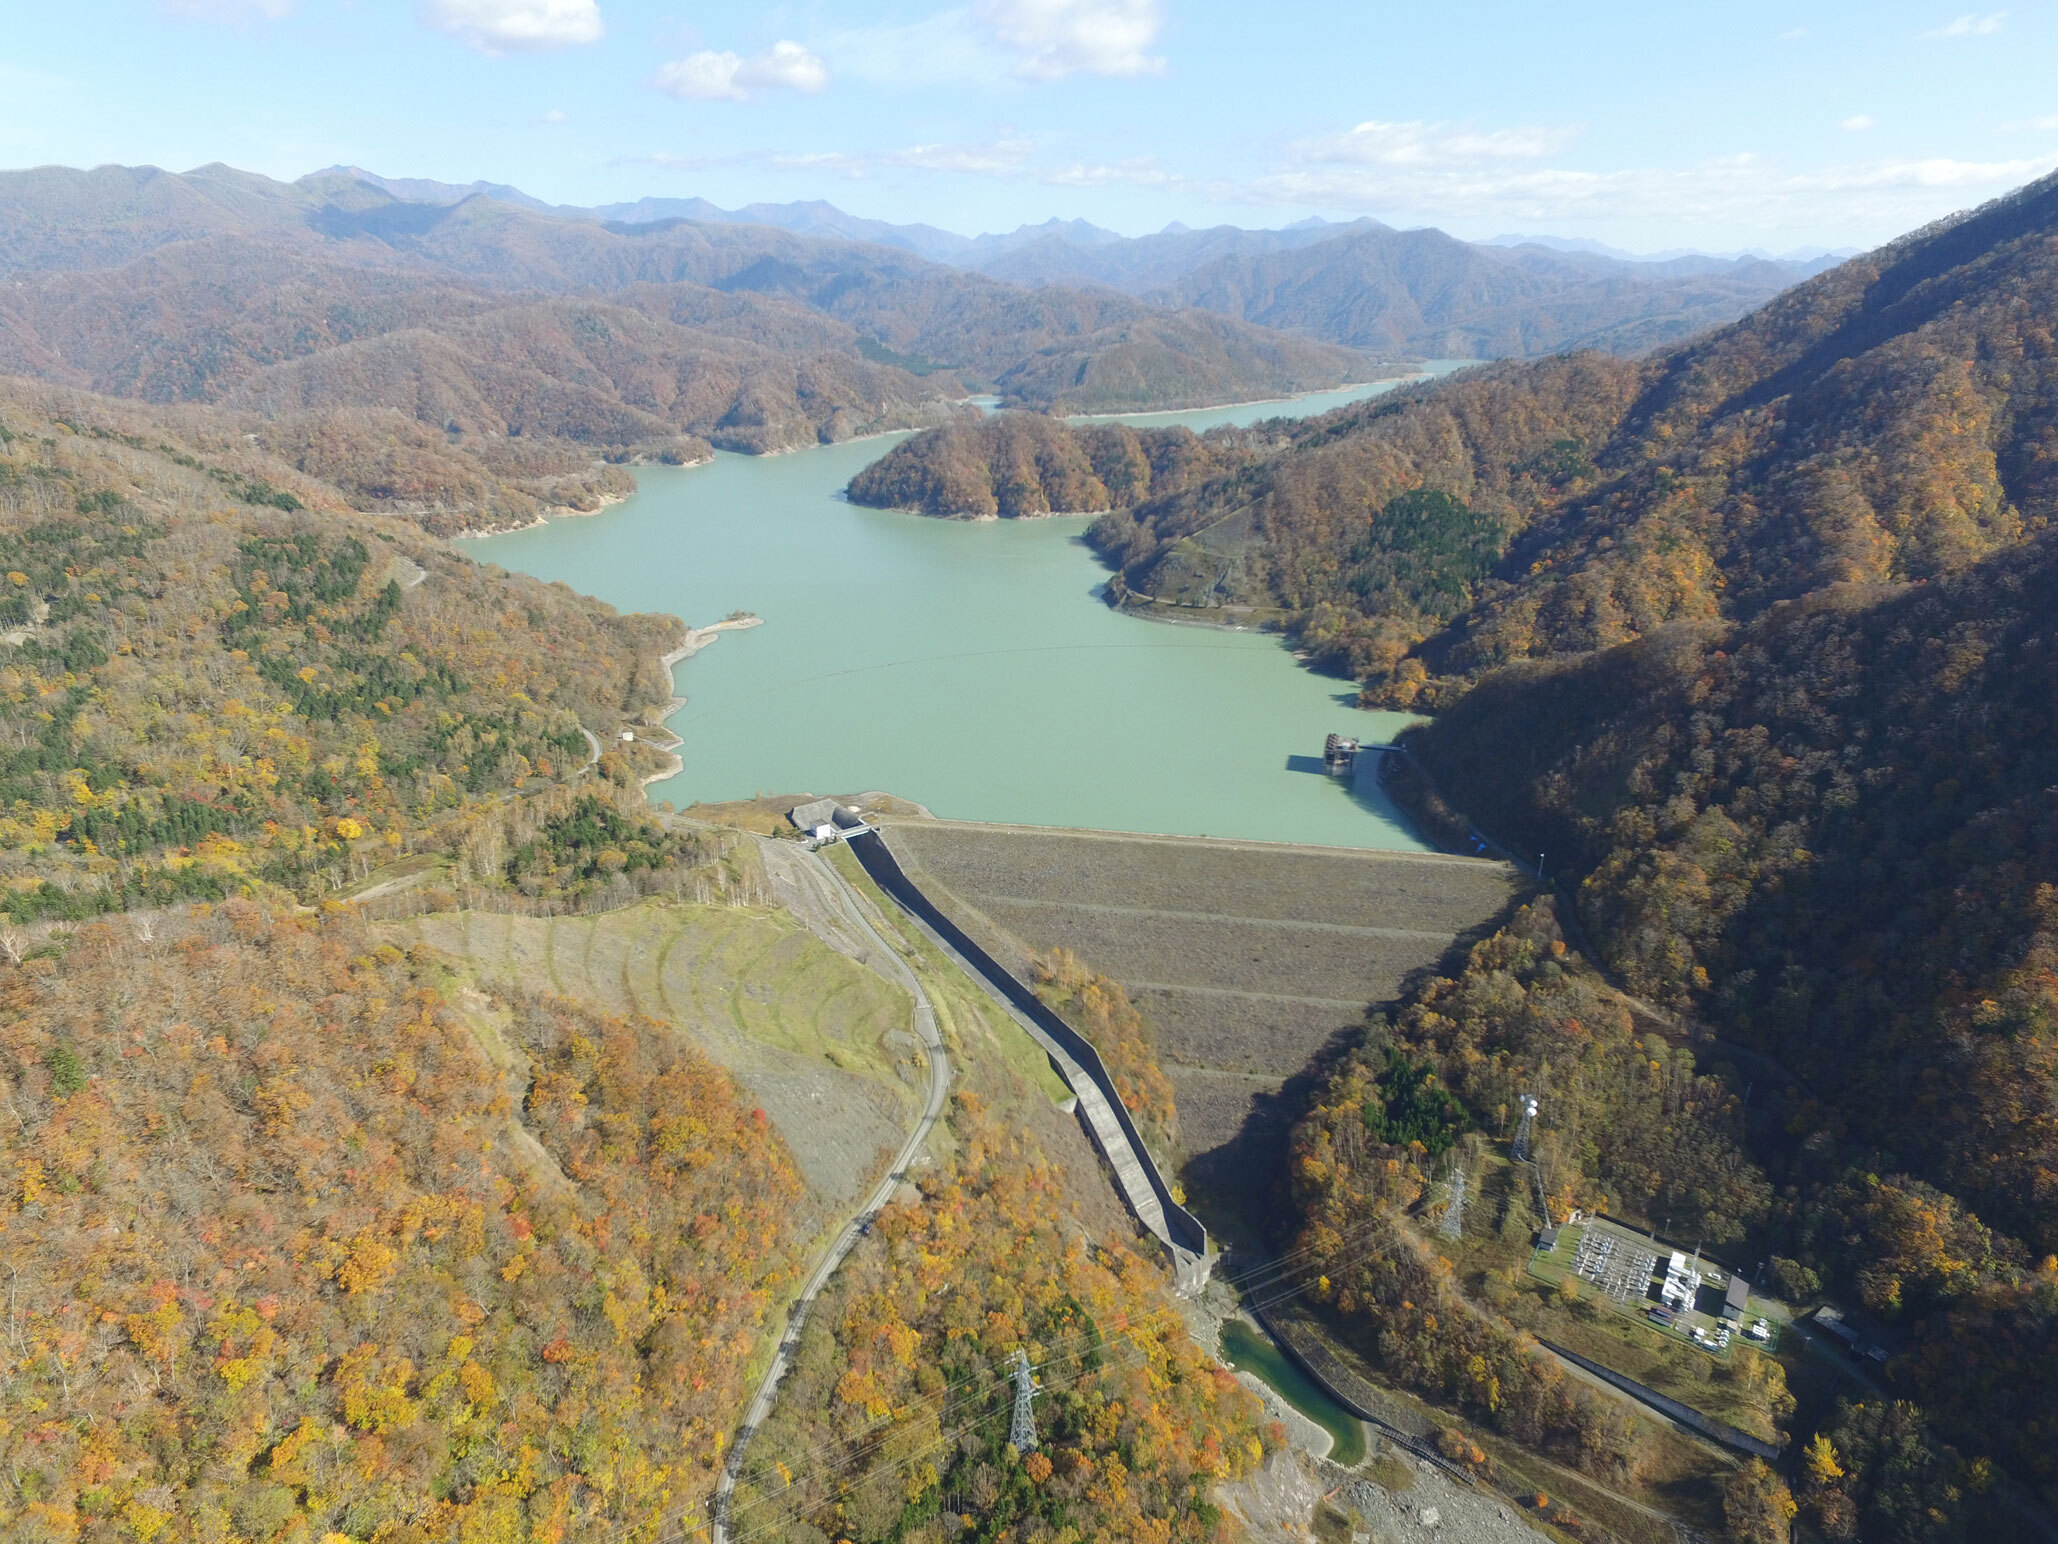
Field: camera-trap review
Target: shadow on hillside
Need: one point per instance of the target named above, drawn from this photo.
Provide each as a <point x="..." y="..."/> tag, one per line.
<point x="1238" y="1189"/>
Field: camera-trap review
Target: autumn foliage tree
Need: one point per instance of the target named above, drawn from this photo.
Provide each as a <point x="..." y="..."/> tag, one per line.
<point x="893" y="1424"/>
<point x="302" y="1239"/>
<point x="1100" y="1009"/>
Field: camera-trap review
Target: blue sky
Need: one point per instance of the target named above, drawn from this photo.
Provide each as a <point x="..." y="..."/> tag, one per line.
<point x="1649" y="126"/>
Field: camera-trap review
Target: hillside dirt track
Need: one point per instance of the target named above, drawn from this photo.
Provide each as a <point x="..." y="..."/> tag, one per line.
<point x="1247" y="958"/>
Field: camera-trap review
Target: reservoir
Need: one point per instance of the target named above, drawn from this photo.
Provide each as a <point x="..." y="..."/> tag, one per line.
<point x="972" y="667"/>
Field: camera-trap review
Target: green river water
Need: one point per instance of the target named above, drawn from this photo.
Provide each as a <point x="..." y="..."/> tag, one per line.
<point x="1247" y="1350"/>
<point x="969" y="666"/>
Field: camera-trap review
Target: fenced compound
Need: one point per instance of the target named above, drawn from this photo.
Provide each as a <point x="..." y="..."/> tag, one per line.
<point x="1619" y="1268"/>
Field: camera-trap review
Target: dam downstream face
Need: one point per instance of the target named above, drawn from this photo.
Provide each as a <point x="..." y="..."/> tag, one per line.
<point x="971" y="667"/>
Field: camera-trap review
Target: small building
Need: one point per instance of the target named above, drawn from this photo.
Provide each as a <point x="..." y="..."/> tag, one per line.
<point x="628" y="736"/>
<point x="816" y="812"/>
<point x="1736" y="1299"/>
<point x="1339" y="756"/>
<point x="1831" y="1318"/>
<point x="1682" y="1282"/>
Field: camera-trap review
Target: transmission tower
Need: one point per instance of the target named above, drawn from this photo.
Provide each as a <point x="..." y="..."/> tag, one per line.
<point x="1022" y="1430"/>
<point x="1543" y="1200"/>
<point x="1522" y="1131"/>
<point x="1454" y="1210"/>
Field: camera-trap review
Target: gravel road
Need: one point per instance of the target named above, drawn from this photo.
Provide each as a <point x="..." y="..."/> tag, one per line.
<point x="860" y="1222"/>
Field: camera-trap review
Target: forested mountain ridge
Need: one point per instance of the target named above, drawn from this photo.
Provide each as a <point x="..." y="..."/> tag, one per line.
<point x="1424" y="294"/>
<point x="1416" y="292"/>
<point x="1801" y="802"/>
<point x="1886" y="421"/>
<point x="483" y="320"/>
<point x="220" y="682"/>
<point x="304" y="1235"/>
<point x="1826" y="836"/>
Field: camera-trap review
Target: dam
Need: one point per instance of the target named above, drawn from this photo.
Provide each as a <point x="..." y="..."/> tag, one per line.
<point x="1249" y="959"/>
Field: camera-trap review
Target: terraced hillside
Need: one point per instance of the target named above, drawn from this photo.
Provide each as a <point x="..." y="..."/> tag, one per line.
<point x="819" y="1040"/>
<point x="1247" y="958"/>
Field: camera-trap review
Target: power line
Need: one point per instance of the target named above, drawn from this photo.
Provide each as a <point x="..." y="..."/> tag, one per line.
<point x="1022" y="1426"/>
<point x="1276" y="1269"/>
<point x="1279" y="1294"/>
<point x="1270" y="1279"/>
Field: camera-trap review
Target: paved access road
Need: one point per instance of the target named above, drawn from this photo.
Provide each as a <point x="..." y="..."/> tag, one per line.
<point x="845" y="1240"/>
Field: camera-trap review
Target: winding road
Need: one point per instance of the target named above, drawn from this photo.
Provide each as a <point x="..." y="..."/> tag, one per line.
<point x="860" y="1223"/>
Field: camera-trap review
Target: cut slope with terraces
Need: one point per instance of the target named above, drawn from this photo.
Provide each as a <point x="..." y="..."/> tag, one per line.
<point x="819" y="1041"/>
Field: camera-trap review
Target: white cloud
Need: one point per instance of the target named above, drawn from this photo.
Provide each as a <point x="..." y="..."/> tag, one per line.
<point x="1056" y="38"/>
<point x="1006" y="157"/>
<point x="1140" y="172"/>
<point x="1436" y="144"/>
<point x="1857" y="123"/>
<point x="1735" y="193"/>
<point x="556" y="116"/>
<point x="235" y="12"/>
<point x="709" y="76"/>
<point x="687" y="163"/>
<point x="2048" y="121"/>
<point x="703" y="77"/>
<point x="507" y="26"/>
<point x="1793" y="34"/>
<point x="1970" y="26"/>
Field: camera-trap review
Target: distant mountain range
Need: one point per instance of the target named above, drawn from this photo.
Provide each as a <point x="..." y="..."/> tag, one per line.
<point x="1360" y="283"/>
<point x="815" y="217"/>
<point x="458" y="356"/>
<point x="399" y="336"/>
<point x="1815" y="258"/>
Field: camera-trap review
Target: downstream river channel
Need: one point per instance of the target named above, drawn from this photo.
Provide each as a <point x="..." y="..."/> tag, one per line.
<point x="970" y="667"/>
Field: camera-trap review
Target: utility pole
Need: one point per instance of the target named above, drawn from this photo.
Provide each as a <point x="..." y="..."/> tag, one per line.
<point x="1022" y="1429"/>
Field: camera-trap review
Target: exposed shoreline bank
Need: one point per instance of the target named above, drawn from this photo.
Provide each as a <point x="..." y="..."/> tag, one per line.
<point x="1223" y="407"/>
<point x="555" y="512"/>
<point x="696" y="639"/>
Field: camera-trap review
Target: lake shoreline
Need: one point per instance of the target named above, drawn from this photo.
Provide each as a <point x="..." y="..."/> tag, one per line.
<point x="973" y="666"/>
<point x="1120" y="414"/>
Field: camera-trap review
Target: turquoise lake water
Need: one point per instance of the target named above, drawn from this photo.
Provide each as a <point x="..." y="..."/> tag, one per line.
<point x="971" y="667"/>
<point x="1243" y="414"/>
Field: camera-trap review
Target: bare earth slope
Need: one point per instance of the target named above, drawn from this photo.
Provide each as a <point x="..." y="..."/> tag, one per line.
<point x="819" y="1041"/>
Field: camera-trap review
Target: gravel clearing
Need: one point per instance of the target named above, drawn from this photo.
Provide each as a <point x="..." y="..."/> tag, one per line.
<point x="1282" y="1501"/>
<point x="1433" y="1507"/>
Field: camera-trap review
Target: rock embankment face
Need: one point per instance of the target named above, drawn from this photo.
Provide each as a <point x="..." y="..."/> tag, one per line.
<point x="1246" y="958"/>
